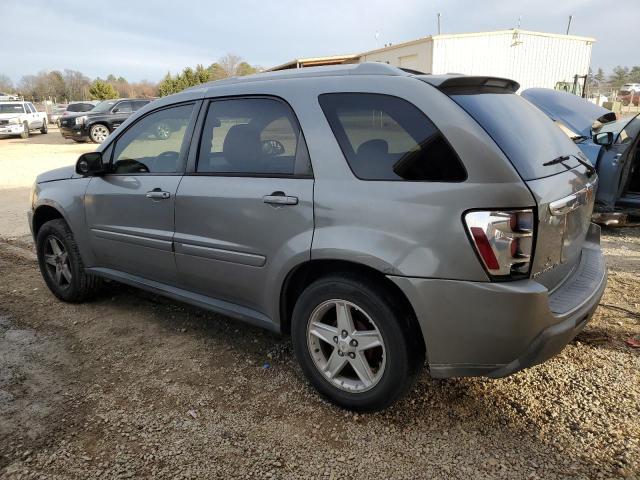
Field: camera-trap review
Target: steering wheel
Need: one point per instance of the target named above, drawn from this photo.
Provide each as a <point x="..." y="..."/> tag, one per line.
<point x="129" y="165"/>
<point x="272" y="148"/>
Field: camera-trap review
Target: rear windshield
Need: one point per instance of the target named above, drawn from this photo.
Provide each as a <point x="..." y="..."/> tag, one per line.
<point x="526" y="135"/>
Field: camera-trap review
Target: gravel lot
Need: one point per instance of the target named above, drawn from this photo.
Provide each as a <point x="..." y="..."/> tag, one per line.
<point x="133" y="385"/>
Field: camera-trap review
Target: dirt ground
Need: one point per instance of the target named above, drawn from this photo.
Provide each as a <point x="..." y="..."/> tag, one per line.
<point x="131" y="385"/>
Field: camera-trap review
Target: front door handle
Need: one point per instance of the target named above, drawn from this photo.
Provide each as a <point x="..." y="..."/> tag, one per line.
<point x="158" y="194"/>
<point x="280" y="198"/>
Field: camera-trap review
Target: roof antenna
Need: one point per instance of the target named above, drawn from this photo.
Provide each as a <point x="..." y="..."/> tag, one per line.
<point x="569" y="24"/>
<point x="439" y="24"/>
<point x="377" y="36"/>
<point x="519" y="22"/>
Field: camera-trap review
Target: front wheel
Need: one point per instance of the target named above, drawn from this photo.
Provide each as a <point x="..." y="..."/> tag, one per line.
<point x="98" y="133"/>
<point x="354" y="343"/>
<point x="60" y="263"/>
<point x="45" y="128"/>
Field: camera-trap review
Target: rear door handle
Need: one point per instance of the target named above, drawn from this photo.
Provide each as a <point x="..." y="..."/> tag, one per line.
<point x="280" y="198"/>
<point x="158" y="194"/>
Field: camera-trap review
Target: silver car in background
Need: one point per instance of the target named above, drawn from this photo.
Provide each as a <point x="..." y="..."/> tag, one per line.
<point x="380" y="217"/>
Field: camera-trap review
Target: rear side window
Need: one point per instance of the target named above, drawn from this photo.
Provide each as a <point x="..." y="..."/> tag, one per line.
<point x="388" y="138"/>
<point x="252" y="136"/>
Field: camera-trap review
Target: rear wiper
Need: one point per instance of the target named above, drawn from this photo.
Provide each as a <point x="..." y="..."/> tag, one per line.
<point x="564" y="158"/>
<point x="555" y="161"/>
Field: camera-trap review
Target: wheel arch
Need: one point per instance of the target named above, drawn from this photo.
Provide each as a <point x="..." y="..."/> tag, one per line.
<point x="42" y="214"/>
<point x="302" y="275"/>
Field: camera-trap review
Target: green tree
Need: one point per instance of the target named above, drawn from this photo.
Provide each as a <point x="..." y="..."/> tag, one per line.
<point x="101" y="90"/>
<point x="599" y="76"/>
<point x="619" y="76"/>
<point x="634" y="74"/>
<point x="245" y="69"/>
<point x="216" y="72"/>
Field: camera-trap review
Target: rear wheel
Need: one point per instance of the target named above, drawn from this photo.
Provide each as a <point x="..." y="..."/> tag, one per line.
<point x="98" y="133"/>
<point x="25" y="130"/>
<point x="354" y="343"/>
<point x="60" y="263"/>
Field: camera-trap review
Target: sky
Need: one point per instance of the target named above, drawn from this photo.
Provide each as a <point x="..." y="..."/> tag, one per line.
<point x="144" y="39"/>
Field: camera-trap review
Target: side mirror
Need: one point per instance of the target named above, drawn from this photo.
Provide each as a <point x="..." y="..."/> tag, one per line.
<point x="115" y="110"/>
<point x="604" y="138"/>
<point x="90" y="164"/>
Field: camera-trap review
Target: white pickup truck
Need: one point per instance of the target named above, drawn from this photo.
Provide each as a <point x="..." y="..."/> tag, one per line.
<point x="20" y="118"/>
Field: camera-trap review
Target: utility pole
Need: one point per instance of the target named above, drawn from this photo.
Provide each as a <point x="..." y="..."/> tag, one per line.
<point x="569" y="24"/>
<point x="439" y="31"/>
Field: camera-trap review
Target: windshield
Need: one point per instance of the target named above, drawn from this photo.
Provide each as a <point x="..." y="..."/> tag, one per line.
<point x="104" y="107"/>
<point x="526" y="135"/>
<point x="574" y="112"/>
<point x="16" y="108"/>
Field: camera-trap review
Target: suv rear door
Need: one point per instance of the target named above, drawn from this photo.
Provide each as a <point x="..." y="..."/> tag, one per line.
<point x="120" y="112"/>
<point x="563" y="191"/>
<point x="130" y="211"/>
<point x="244" y="209"/>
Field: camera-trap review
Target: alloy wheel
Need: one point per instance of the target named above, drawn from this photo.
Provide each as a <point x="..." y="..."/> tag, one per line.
<point x="99" y="133"/>
<point x="346" y="346"/>
<point x="57" y="261"/>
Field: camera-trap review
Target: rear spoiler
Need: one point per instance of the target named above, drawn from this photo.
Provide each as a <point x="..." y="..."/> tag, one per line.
<point x="456" y="83"/>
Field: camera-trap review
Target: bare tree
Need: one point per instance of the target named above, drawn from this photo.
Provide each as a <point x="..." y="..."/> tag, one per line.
<point x="6" y="85"/>
<point x="230" y="63"/>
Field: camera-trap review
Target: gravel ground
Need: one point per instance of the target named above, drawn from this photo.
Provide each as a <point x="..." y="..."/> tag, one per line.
<point x="132" y="385"/>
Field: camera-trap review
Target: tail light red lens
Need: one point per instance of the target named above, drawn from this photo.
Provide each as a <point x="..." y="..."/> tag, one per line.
<point x="503" y="241"/>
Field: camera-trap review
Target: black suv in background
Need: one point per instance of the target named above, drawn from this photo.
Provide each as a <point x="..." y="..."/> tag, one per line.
<point x="97" y="124"/>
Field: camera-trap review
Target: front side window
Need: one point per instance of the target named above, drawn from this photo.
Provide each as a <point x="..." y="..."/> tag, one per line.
<point x="388" y="138"/>
<point x="154" y="143"/>
<point x="250" y="136"/>
<point x="32" y="109"/>
<point x="123" y="107"/>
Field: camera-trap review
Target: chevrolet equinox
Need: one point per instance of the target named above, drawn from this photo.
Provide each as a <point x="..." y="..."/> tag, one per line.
<point x="381" y="217"/>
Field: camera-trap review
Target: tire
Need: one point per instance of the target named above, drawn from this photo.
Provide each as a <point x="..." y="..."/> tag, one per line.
<point x="25" y="133"/>
<point x="55" y="239"/>
<point x="98" y="133"/>
<point x="45" y="128"/>
<point x="394" y="365"/>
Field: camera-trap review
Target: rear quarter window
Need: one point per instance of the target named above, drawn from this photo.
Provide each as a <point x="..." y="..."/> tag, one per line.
<point x="387" y="138"/>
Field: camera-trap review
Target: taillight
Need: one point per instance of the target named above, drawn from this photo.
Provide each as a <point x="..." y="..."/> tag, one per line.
<point x="503" y="241"/>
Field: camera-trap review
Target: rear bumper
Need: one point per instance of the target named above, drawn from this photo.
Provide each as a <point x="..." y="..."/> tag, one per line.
<point x="496" y="329"/>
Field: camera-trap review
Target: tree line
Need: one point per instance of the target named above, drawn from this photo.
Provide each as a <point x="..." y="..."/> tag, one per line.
<point x="67" y="85"/>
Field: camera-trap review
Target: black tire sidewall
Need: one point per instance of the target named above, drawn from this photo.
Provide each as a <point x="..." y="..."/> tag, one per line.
<point x="45" y="128"/>
<point x="61" y="231"/>
<point x="399" y="370"/>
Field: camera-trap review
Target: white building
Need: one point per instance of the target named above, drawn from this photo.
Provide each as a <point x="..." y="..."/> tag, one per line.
<point x="533" y="59"/>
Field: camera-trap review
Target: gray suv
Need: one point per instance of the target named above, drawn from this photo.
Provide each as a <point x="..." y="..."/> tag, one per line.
<point x="382" y="218"/>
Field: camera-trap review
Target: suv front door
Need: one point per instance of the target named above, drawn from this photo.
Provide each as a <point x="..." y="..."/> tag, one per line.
<point x="130" y="211"/>
<point x="120" y="112"/>
<point x="244" y="210"/>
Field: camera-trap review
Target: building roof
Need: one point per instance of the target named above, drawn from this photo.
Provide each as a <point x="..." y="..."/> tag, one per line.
<point x="477" y="34"/>
<point x="315" y="61"/>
